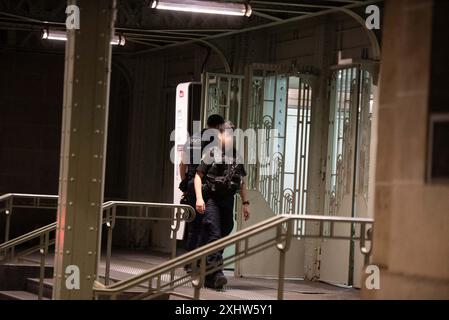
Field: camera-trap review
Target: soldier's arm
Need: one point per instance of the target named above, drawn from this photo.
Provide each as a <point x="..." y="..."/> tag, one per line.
<point x="182" y="170"/>
<point x="244" y="197"/>
<point x="200" y="205"/>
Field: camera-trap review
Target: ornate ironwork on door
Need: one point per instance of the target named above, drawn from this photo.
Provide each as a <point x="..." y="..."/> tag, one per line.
<point x="280" y="110"/>
<point x="349" y="140"/>
<point x="222" y="94"/>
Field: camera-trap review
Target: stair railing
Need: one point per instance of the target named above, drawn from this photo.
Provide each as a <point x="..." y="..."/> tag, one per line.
<point x="10" y="201"/>
<point x="8" y="250"/>
<point x="282" y="228"/>
<point x="182" y="213"/>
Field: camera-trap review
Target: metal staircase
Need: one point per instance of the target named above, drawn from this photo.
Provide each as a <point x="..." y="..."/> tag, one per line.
<point x="22" y="247"/>
<point x="281" y="224"/>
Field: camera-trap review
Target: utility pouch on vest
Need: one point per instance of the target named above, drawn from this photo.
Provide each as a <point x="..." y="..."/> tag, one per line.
<point x="223" y="185"/>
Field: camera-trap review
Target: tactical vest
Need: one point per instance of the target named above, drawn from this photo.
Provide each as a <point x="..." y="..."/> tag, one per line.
<point x="223" y="179"/>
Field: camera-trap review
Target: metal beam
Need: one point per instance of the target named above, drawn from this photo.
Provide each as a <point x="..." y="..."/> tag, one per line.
<point x="83" y="148"/>
<point x="198" y="33"/>
<point x="174" y="30"/>
<point x="283" y="11"/>
<point x="27" y="19"/>
<point x="371" y="35"/>
<point x="266" y="16"/>
<point x="346" y="9"/>
<point x="131" y="39"/>
<point x="290" y="4"/>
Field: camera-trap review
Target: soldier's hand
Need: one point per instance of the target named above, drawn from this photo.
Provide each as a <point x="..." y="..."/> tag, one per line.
<point x="246" y="213"/>
<point x="200" y="206"/>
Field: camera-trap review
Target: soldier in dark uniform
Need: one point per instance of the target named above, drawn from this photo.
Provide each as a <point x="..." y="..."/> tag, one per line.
<point x="192" y="150"/>
<point x="219" y="177"/>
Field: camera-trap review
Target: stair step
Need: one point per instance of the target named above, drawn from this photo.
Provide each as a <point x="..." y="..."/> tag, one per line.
<point x="33" y="288"/>
<point x="32" y="285"/>
<point x="19" y="295"/>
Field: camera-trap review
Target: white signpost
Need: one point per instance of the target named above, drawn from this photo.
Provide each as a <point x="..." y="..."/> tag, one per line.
<point x="181" y="135"/>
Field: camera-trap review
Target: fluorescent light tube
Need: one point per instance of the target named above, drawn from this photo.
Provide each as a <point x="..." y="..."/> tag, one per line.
<point x="54" y="35"/>
<point x="210" y="7"/>
<point x="118" y="40"/>
<point x="58" y="35"/>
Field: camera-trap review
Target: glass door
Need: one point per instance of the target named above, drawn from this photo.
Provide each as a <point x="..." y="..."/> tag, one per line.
<point x="347" y="167"/>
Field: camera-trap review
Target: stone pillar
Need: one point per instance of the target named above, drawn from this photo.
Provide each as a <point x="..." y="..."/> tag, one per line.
<point x="411" y="231"/>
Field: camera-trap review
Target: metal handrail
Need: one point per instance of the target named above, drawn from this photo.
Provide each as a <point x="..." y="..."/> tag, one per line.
<point x="282" y="224"/>
<point x="183" y="213"/>
<point x="27" y="237"/>
<point x="9" y="205"/>
<point x="26" y="195"/>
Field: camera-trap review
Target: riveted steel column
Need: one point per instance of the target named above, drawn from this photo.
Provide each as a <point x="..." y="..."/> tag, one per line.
<point x="83" y="148"/>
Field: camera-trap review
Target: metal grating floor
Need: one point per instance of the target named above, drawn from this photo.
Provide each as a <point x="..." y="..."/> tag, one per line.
<point x="125" y="264"/>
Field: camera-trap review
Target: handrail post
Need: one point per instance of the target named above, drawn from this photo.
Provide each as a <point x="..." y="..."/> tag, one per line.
<point x="174" y="230"/>
<point x="150" y="285"/>
<point x="173" y="255"/>
<point x="283" y="248"/>
<point x="8" y="213"/>
<point x="281" y="274"/>
<point x="110" y="225"/>
<point x="201" y="277"/>
<point x="43" y="253"/>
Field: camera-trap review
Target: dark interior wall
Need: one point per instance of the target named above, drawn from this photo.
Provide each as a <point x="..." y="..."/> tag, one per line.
<point x="30" y="121"/>
<point x="303" y="44"/>
<point x="147" y="148"/>
<point x="31" y="89"/>
<point x="116" y="184"/>
<point x="439" y="96"/>
<point x="31" y="95"/>
<point x="439" y="101"/>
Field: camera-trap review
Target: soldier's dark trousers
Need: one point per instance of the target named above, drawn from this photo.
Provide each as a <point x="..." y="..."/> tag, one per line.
<point x="193" y="229"/>
<point x="218" y="222"/>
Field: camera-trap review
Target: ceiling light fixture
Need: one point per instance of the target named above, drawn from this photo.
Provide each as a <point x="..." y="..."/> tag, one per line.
<point x="211" y="7"/>
<point x="58" y="35"/>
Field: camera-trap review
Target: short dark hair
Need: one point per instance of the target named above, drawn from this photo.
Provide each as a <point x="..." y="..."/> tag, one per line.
<point x="215" y="121"/>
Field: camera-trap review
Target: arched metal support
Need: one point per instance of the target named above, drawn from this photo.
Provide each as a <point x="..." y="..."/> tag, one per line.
<point x="219" y="53"/>
<point x="345" y="9"/>
<point x="117" y="65"/>
<point x="376" y="51"/>
<point x="371" y="35"/>
<point x="266" y="16"/>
